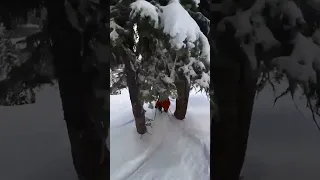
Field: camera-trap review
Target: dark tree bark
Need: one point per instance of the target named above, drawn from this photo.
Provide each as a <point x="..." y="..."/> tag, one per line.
<point x="90" y="155"/>
<point x="234" y="84"/>
<point x="183" y="89"/>
<point x="230" y="134"/>
<point x="134" y="91"/>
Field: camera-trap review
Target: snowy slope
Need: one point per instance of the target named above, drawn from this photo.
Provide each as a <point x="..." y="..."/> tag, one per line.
<point x="283" y="143"/>
<point x="34" y="143"/>
<point x="174" y="150"/>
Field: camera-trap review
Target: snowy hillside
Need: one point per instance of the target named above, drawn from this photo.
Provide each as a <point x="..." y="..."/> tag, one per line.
<point x="284" y="142"/>
<point x="34" y="140"/>
<point x="173" y="150"/>
<point x="35" y="146"/>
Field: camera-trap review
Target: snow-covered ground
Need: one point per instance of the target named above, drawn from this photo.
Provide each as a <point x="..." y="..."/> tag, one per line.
<point x="174" y="150"/>
<point x="284" y="143"/>
<point x="34" y="143"/>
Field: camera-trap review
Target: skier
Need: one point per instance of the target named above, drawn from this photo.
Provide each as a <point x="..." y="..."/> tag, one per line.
<point x="165" y="104"/>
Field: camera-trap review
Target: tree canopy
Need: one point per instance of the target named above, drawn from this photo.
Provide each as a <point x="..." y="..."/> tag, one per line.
<point x="164" y="48"/>
<point x="279" y="39"/>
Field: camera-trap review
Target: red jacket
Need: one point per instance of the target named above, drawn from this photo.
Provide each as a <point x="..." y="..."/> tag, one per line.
<point x="165" y="104"/>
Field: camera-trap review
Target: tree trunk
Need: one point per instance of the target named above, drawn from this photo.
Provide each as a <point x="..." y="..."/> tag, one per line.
<point x="183" y="89"/>
<point x="134" y="91"/>
<point x="86" y="144"/>
<point x="234" y="84"/>
<point x="230" y="134"/>
<point x="89" y="153"/>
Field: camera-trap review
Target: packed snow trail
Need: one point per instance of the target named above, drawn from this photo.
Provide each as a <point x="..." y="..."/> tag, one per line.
<point x="131" y="166"/>
<point x="180" y="156"/>
<point x="35" y="145"/>
<point x="174" y="149"/>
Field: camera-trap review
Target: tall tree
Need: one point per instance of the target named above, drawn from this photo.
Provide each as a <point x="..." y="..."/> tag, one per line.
<point x="70" y="37"/>
<point x="161" y="62"/>
<point x="122" y="41"/>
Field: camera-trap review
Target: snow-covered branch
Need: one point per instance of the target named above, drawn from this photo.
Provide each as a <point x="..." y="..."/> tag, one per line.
<point x="272" y="30"/>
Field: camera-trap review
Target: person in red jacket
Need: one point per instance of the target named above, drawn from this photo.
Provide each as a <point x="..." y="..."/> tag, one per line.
<point x="163" y="104"/>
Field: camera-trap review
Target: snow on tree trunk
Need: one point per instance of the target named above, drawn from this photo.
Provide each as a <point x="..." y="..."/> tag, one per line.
<point x="183" y="88"/>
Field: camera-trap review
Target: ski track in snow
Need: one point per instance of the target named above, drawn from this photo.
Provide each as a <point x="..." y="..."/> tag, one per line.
<point x="192" y="133"/>
<point x="173" y="137"/>
<point x="131" y="121"/>
<point x="130" y="167"/>
<point x="175" y="150"/>
<point x="35" y="145"/>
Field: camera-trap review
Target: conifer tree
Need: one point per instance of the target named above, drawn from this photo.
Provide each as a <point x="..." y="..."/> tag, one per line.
<point x="162" y="64"/>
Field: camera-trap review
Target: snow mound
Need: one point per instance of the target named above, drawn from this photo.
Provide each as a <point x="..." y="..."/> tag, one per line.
<point x="175" y="22"/>
<point x="114" y="34"/>
<point x="303" y="62"/>
<point x="182" y="28"/>
<point x="204" y="81"/>
<point x="145" y="9"/>
<point x="196" y="2"/>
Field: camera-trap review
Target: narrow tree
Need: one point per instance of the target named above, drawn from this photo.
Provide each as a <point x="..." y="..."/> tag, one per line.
<point x="183" y="86"/>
